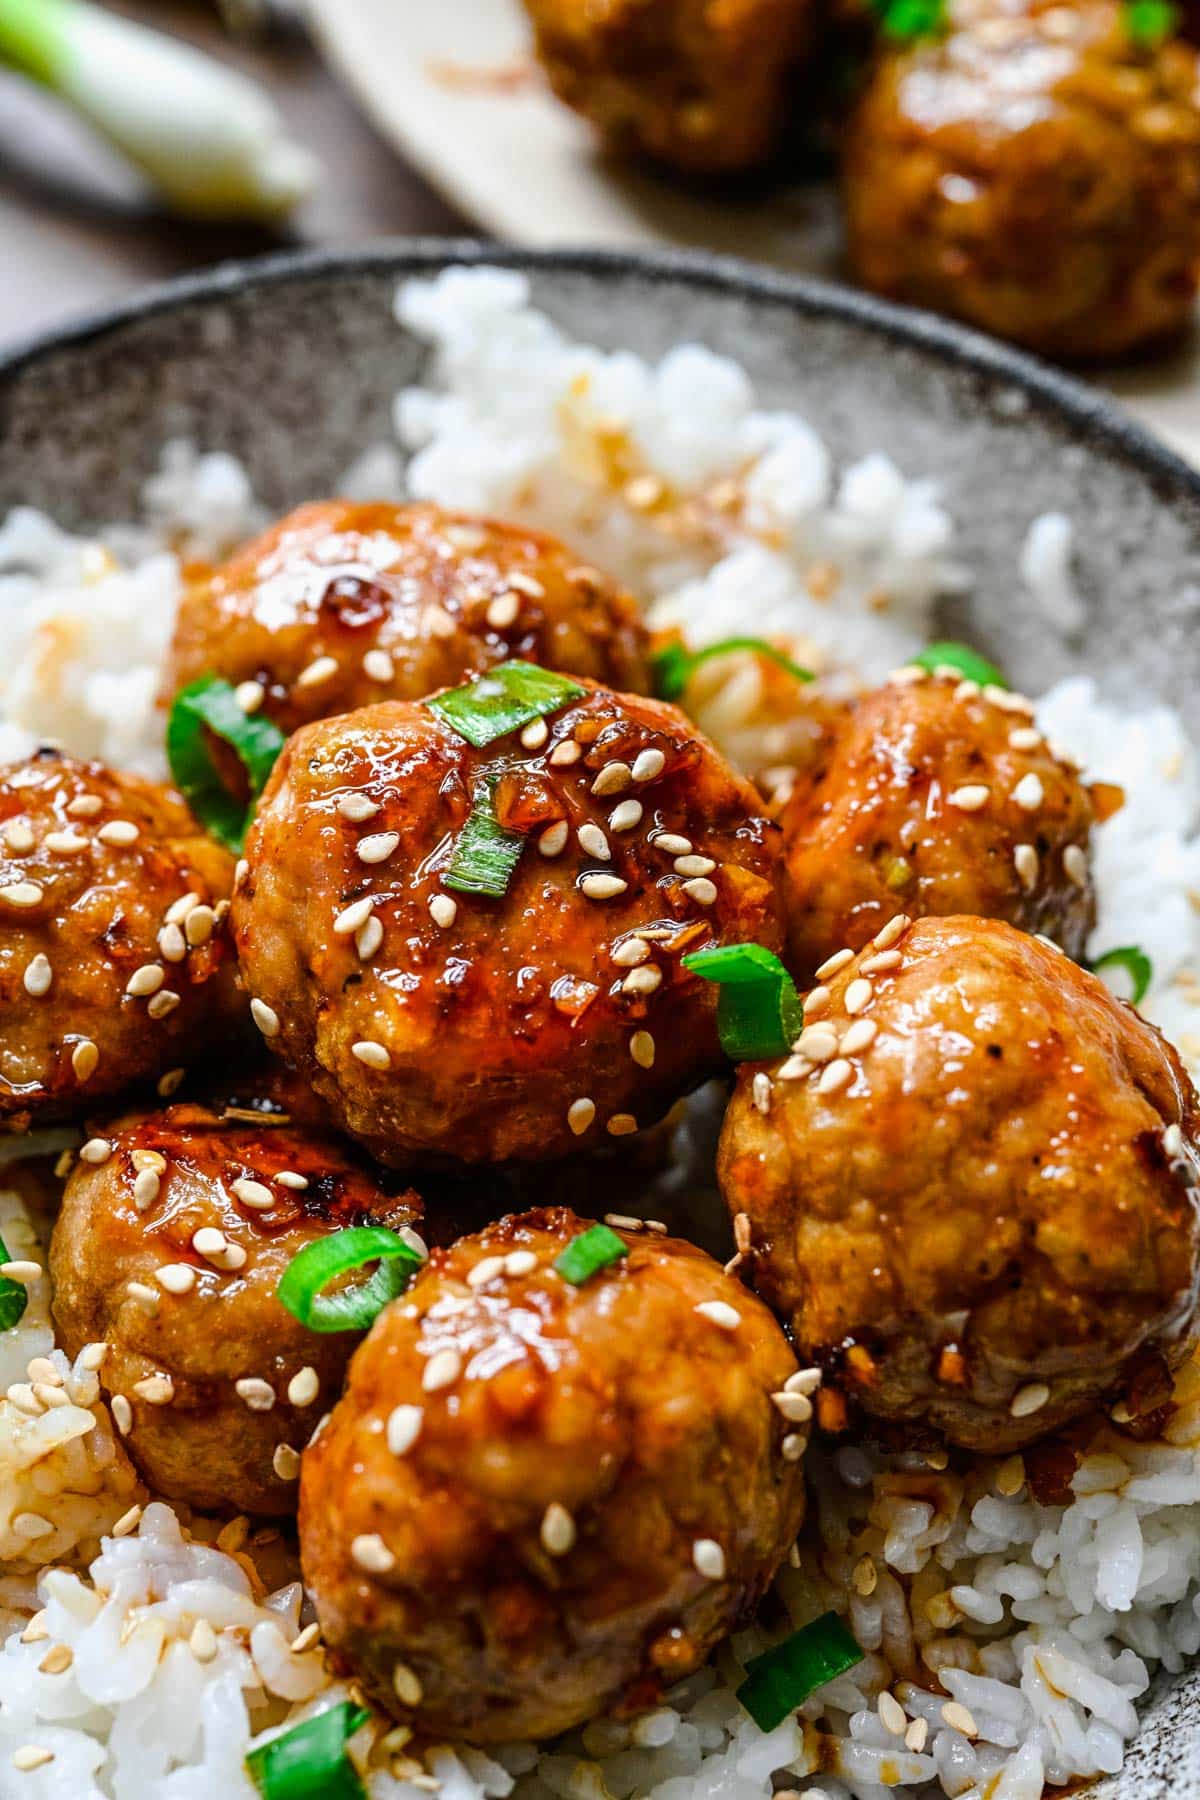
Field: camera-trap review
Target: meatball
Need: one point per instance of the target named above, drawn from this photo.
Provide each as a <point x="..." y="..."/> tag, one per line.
<point x="971" y="1192"/>
<point x="939" y="798"/>
<point x="341" y="605"/>
<point x="175" y="1229"/>
<point x="702" y="85"/>
<point x="538" y="1501"/>
<point x="448" y="1024"/>
<point x="115" y="963"/>
<point x="1034" y="171"/>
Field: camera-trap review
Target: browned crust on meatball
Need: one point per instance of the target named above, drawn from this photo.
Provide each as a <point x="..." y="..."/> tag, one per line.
<point x="1034" y="172"/>
<point x="530" y="1559"/>
<point x="341" y="605"/>
<point x="983" y="1220"/>
<point x="176" y="1357"/>
<point x="936" y="798"/>
<point x="91" y="864"/>
<point x="493" y="1024"/>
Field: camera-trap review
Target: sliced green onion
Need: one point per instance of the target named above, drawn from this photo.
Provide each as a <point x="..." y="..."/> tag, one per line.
<point x="759" y="1012"/>
<point x="486" y="854"/>
<point x="590" y="1252"/>
<point x="968" y="663"/>
<point x="674" y="665"/>
<point x="1136" y="964"/>
<point x="1148" y="23"/>
<point x="301" y="1288"/>
<point x="906" y="21"/>
<point x="14" y="1296"/>
<point x="509" y="696"/>
<point x="309" y="1762"/>
<point x="783" y="1678"/>
<point x="211" y="704"/>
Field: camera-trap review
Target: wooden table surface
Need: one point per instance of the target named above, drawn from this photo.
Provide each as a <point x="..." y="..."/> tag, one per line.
<point x="76" y="230"/>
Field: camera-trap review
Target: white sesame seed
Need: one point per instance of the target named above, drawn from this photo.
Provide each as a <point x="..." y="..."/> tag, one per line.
<point x="793" y="1446"/>
<point x="27" y="1757"/>
<point x="857" y="1037"/>
<point x="64" y="843"/>
<point x="972" y="797"/>
<point x="439" y="621"/>
<point x="378" y="847"/>
<point x="858" y="996"/>
<point x="1026" y="863"/>
<point x="169" y="1083"/>
<point x="357" y="808"/>
<point x="179" y="909"/>
<point x="122" y="1414"/>
<point x="249" y="695"/>
<point x="646" y="979"/>
<point x="22" y="893"/>
<point x="172" y="945"/>
<point x="892" y="1715"/>
<point x="378" y="666"/>
<point x="304" y="1386"/>
<point x="305" y="1639"/>
<point x="882" y="963"/>
<point x="84" y="1058"/>
<point x="709" y="1559"/>
<point x="368" y="938"/>
<point x="1172" y="1140"/>
<point x="176" y="1278"/>
<point x="254" y="1194"/>
<point x="1029" y="1399"/>
<point x="290" y="1178"/>
<point x="795" y="1408"/>
<point x="956" y="1716"/>
<point x="613" y="778"/>
<point x="818" y="1043"/>
<point x="566" y="753"/>
<point x="760" y="1089"/>
<point x="642" y="1048"/>
<point x="835" y="1076"/>
<point x="319" y="670"/>
<point x="122" y="832"/>
<point x="38" y="976"/>
<point x="648" y="764"/>
<point x="255" y="1393"/>
<point x="553" y="840"/>
<point x="702" y="891"/>
<point x="26" y="1272"/>
<point x="557" y="1530"/>
<point x="694" y="865"/>
<point x="443" y="910"/>
<point x="442" y="1370"/>
<point x="890" y="934"/>
<point x="520" y="1262"/>
<point x="96" y="1150"/>
<point x="916" y="1736"/>
<point x="372" y="1554"/>
<point x="795" y="1068"/>
<point x="352" y="916"/>
<point x="84" y="806"/>
<point x="621" y="1124"/>
<point x="408" y="1688"/>
<point x="816" y="1003"/>
<point x="834" y="963"/>
<point x="535" y="734"/>
<point x="59" y="1657"/>
<point x="719" y="1313"/>
<point x="139" y="1290"/>
<point x="146" y="980"/>
<point x="671" y="843"/>
<point x="265" y="1017"/>
<point x="404" y="1428"/>
<point x="375" y="1056"/>
<point x="1024" y="737"/>
<point x="286" y="1462"/>
<point x="580" y="1115"/>
<point x="1029" y="792"/>
<point x="526" y="584"/>
<point x="1075" y="865"/>
<point x="503" y="611"/>
<point x="155" y="1390"/>
<point x="490" y="1268"/>
<point x="146" y="1186"/>
<point x="630" y="952"/>
<point x="163" y="1003"/>
<point x="964" y="690"/>
<point x="593" y="842"/>
<point x="598" y="886"/>
<point x="804" y="1381"/>
<point x="626" y="815"/>
<point x="18" y="835"/>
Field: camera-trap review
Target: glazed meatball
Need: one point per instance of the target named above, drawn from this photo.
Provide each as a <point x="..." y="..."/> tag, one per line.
<point x="342" y="605"/>
<point x="939" y="798"/>
<point x="538" y="1501"/>
<point x="701" y="85"/>
<point x="115" y="963"/>
<point x="175" y="1229"/>
<point x="971" y="1191"/>
<point x="1035" y="172"/>
<point x="443" y="1023"/>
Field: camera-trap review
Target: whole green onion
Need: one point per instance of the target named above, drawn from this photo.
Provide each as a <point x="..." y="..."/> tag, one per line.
<point x="14" y="1296"/>
<point x="783" y="1678"/>
<point x="509" y="696"/>
<point x="301" y="1288"/>
<point x="674" y="665"/>
<point x="759" y="1012"/>
<point x="588" y="1253"/>
<point x="309" y="1762"/>
<point x="966" y="662"/>
<point x="1136" y="964"/>
<point x="211" y="704"/>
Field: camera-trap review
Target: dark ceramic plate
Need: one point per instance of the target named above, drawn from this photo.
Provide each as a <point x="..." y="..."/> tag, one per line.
<point x="292" y="363"/>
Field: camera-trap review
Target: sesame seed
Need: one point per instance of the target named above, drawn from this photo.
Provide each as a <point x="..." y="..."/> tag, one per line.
<point x="128" y="1522"/>
<point x="22" y="893"/>
<point x="352" y="916"/>
<point x="28" y="1757"/>
<point x="882" y="963"/>
<point x="598" y="886"/>
<point x="18" y="835"/>
<point x="1024" y="737"/>
<point x="857" y="1037"/>
<point x="709" y="1559"/>
<point x="916" y="1735"/>
<point x="818" y="1043"/>
<point x="38" y="976"/>
<point x="956" y="1716"/>
<point x="858" y="996"/>
<point x="289" y="1178"/>
<point x="835" y="1076"/>
<point x="378" y="666"/>
<point x="241" y="869"/>
<point x="816" y="1003"/>
<point x="760" y="1090"/>
<point x="372" y="1554"/>
<point x="892" y="1715"/>
<point x="1172" y="1140"/>
<point x="1029" y="793"/>
<point x="1029" y="1399"/>
<point x="535" y="734"/>
<point x="155" y="1390"/>
<point x="404" y="1428"/>
<point x="964" y="690"/>
<point x="891" y="933"/>
<point x="671" y="843"/>
<point x="439" y="621"/>
<point x="626" y="816"/>
<point x="209" y="1241"/>
<point x="795" y="1408"/>
<point x="63" y="843"/>
<point x="378" y="847"/>
<point x="179" y="909"/>
<point x="286" y="1462"/>
<point x="1026" y="863"/>
<point x="368" y="938"/>
<point x="122" y="832"/>
<point x="305" y="1639"/>
<point x="163" y="1003"/>
<point x="580" y="1115"/>
<point x="834" y="963"/>
<point x="96" y="1150"/>
<point x="970" y="798"/>
<point x="793" y="1446"/>
<point x="172" y="945"/>
<point x="804" y="1381"/>
<point x="613" y="778"/>
<point x="520" y="1262"/>
<point x="442" y="1370"/>
<point x="254" y="1194"/>
<point x="31" y="1525"/>
<point x="84" y="806"/>
<point x="304" y="1386"/>
<point x="257" y="1394"/>
<point x="319" y="670"/>
<point x="795" y="1068"/>
<point x="408" y="1688"/>
<point x="1009" y="701"/>
<point x="630" y="952"/>
<point x="593" y="842"/>
<point x="249" y="695"/>
<point x="621" y="1125"/>
<point x="490" y="1268"/>
<point x="176" y="1278"/>
<point x="22" y="1270"/>
<point x="553" y="840"/>
<point x="557" y="1530"/>
<point x="1010" y="1476"/>
<point x="59" y="1657"/>
<point x="566" y="753"/>
<point x="648" y="764"/>
<point x="719" y="1313"/>
<point x="503" y="611"/>
<point x="146" y="1185"/>
<point x="122" y="1413"/>
<point x="702" y="891"/>
<point x="641" y="1048"/>
<point x="265" y="1017"/>
<point x="375" y="1056"/>
<point x="357" y="808"/>
<point x="443" y="910"/>
<point x="168" y="1084"/>
<point x="694" y="865"/>
<point x="1075" y="865"/>
<point x="644" y="980"/>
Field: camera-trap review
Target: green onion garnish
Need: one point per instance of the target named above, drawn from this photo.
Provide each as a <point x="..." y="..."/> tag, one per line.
<point x="783" y="1678"/>
<point x="212" y="704"/>
<point x="486" y="854"/>
<point x="590" y="1252"/>
<point x="967" y="662"/>
<point x="674" y="665"/>
<point x="759" y="1012"/>
<point x="309" y="1762"/>
<point x="14" y="1296"/>
<point x="1136" y="964"/>
<point x="509" y="696"/>
<point x="1148" y="23"/>
<point x="310" y="1271"/>
<point x="905" y="21"/>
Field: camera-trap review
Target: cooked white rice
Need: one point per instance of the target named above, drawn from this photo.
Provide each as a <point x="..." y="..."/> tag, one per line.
<point x="157" y="1649"/>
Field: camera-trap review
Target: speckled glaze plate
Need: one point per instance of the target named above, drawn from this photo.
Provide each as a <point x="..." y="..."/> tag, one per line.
<point x="454" y="86"/>
<point x="292" y="363"/>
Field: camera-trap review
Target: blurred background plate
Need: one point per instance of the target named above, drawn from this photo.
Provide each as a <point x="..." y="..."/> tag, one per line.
<point x="453" y="84"/>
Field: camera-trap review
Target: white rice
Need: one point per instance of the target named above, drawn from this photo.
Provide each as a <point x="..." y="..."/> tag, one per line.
<point x="1045" y="1622"/>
